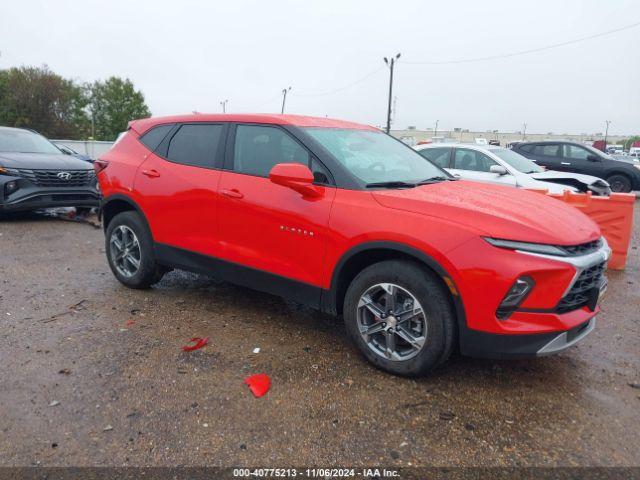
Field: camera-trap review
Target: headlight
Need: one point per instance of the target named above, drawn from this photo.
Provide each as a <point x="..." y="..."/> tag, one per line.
<point x="527" y="247"/>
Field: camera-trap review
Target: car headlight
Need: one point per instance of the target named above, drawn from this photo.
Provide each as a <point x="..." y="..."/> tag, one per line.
<point x="527" y="247"/>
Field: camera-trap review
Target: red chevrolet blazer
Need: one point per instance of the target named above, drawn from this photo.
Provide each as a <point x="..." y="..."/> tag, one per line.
<point x="347" y="219"/>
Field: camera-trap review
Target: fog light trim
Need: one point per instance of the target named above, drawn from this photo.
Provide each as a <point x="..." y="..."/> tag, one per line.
<point x="515" y="296"/>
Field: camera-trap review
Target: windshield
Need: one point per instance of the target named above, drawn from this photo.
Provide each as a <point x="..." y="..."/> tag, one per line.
<point x="24" y="141"/>
<point x="375" y="157"/>
<point x="517" y="161"/>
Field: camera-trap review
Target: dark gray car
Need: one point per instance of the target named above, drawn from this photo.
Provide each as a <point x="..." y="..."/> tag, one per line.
<point x="35" y="174"/>
<point x="566" y="156"/>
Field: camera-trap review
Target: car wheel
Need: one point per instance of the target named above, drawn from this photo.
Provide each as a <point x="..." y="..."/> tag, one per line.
<point x="400" y="317"/>
<point x="619" y="183"/>
<point x="129" y="248"/>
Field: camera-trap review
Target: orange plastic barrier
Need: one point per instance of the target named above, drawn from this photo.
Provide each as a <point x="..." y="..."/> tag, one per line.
<point x="614" y="216"/>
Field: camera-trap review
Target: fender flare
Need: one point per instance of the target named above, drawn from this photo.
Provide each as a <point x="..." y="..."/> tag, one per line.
<point x="127" y="199"/>
<point x="329" y="297"/>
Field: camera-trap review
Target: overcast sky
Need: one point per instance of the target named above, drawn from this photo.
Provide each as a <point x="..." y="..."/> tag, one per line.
<point x="190" y="55"/>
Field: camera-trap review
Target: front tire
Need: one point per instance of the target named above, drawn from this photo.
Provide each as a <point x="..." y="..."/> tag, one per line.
<point x="129" y="249"/>
<point x="619" y="183"/>
<point x="399" y="316"/>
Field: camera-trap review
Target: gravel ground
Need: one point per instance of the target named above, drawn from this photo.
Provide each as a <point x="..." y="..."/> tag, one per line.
<point x="93" y="375"/>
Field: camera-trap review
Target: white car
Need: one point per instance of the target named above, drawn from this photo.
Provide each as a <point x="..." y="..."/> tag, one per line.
<point x="493" y="164"/>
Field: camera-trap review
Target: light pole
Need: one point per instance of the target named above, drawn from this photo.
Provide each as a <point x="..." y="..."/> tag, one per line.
<point x="224" y="105"/>
<point x="390" y="64"/>
<point x="524" y="131"/>
<point x="606" y="134"/>
<point x="435" y="130"/>
<point x="284" y="97"/>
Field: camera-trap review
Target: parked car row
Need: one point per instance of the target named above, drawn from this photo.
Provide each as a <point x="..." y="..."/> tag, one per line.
<point x="564" y="156"/>
<point x="502" y="166"/>
<point x="351" y="221"/>
<point x="344" y="218"/>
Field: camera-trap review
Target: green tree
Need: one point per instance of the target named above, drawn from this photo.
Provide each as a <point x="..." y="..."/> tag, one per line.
<point x="627" y="143"/>
<point x="37" y="98"/>
<point x="114" y="103"/>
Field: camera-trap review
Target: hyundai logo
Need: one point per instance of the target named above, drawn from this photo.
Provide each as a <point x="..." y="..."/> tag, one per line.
<point x="64" y="175"/>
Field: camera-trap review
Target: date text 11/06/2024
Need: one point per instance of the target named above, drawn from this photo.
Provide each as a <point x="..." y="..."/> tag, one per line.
<point x="315" y="473"/>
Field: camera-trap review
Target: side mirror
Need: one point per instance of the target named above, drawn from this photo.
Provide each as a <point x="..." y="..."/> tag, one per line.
<point x="593" y="158"/>
<point x="498" y="170"/>
<point x="296" y="177"/>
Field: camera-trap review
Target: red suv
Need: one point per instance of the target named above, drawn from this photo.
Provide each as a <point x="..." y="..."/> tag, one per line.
<point x="349" y="220"/>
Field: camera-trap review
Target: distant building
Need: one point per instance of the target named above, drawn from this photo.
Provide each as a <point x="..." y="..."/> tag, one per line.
<point x="413" y="136"/>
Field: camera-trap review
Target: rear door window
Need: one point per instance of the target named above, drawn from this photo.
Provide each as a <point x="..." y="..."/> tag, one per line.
<point x="547" y="150"/>
<point x="195" y="145"/>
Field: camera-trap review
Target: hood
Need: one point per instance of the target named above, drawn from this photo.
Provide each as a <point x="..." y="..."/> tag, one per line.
<point x="554" y="175"/>
<point x="42" y="161"/>
<point x="496" y="211"/>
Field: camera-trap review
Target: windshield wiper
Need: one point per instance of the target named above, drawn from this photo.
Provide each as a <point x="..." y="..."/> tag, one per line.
<point x="436" y="179"/>
<point x="391" y="184"/>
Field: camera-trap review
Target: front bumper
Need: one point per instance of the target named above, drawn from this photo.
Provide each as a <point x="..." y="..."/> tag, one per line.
<point x="30" y="197"/>
<point x="558" y="312"/>
<point x="488" y="345"/>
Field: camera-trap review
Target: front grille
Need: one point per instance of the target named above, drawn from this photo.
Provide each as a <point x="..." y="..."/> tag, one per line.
<point x="50" y="178"/>
<point x="581" y="291"/>
<point x="583" y="248"/>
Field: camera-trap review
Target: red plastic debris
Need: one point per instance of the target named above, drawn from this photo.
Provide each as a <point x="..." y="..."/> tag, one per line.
<point x="129" y="323"/>
<point x="199" y="343"/>
<point x="258" y="384"/>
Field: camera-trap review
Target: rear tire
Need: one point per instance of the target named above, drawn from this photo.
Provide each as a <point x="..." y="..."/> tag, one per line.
<point x="129" y="249"/>
<point x="421" y="342"/>
<point x="619" y="183"/>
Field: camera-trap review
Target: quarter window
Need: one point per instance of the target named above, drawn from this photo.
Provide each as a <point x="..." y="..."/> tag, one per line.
<point x="439" y="156"/>
<point x="153" y="137"/>
<point x="195" y="145"/>
<point x="258" y="149"/>
<point x="472" y="160"/>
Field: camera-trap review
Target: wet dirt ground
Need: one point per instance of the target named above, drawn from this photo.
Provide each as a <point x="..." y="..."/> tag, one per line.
<point x="93" y="375"/>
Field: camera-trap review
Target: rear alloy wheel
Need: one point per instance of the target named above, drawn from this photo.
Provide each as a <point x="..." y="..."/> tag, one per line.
<point x="400" y="317"/>
<point x="619" y="183"/>
<point x="129" y="248"/>
<point x="124" y="248"/>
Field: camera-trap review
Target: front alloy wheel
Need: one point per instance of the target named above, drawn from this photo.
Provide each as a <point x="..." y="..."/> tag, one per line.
<point x="125" y="252"/>
<point x="392" y="322"/>
<point x="400" y="316"/>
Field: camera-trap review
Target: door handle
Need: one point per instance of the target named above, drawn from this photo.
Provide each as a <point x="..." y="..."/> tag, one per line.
<point x="233" y="193"/>
<point x="151" y="173"/>
<point x="565" y="163"/>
